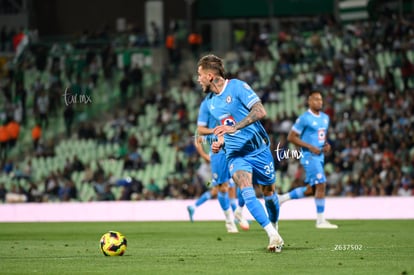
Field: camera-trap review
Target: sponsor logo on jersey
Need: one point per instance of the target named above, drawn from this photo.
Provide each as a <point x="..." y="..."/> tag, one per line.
<point x="228" y="121"/>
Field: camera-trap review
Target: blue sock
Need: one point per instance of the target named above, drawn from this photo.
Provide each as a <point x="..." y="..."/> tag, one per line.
<point x="205" y="197"/>
<point x="233" y="204"/>
<point x="240" y="197"/>
<point x="298" y="192"/>
<point x="272" y="206"/>
<point x="224" y="200"/>
<point x="254" y="206"/>
<point x="320" y="205"/>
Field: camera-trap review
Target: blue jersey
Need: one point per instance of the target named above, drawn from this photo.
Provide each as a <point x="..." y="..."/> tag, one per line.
<point x="207" y="120"/>
<point x="312" y="129"/>
<point x="218" y="162"/>
<point x="232" y="105"/>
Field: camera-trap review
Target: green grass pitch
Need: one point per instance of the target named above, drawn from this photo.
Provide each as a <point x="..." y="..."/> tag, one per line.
<point x="357" y="247"/>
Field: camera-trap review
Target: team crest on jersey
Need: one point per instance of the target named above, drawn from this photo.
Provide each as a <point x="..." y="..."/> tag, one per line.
<point x="228" y="99"/>
<point x="228" y="121"/>
<point x="215" y="176"/>
<point x="321" y="134"/>
<point x="231" y="167"/>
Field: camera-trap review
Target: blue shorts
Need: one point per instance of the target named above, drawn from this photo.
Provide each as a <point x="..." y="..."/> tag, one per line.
<point x="314" y="171"/>
<point x="219" y="169"/>
<point x="259" y="164"/>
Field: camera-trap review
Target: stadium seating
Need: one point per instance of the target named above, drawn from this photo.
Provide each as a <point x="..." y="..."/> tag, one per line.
<point x="290" y="102"/>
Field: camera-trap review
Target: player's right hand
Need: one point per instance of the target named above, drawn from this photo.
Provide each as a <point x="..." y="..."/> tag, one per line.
<point x="224" y="129"/>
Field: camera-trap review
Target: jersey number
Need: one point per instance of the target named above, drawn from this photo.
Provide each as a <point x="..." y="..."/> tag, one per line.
<point x="269" y="169"/>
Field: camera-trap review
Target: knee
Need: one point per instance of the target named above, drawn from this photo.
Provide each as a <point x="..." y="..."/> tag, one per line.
<point x="320" y="190"/>
<point x="224" y="189"/>
<point x="268" y="190"/>
<point x="243" y="179"/>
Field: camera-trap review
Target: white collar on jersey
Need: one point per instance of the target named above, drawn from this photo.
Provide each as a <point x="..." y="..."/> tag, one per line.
<point x="224" y="87"/>
<point x="317" y="115"/>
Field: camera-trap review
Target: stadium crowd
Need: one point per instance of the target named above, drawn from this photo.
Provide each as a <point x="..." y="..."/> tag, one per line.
<point x="369" y="100"/>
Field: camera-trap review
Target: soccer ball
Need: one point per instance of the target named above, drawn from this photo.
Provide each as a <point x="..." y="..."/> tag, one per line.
<point x="113" y="243"/>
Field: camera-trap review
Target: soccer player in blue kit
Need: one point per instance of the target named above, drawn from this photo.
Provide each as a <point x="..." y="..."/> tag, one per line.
<point x="245" y="142"/>
<point x="220" y="174"/>
<point x="309" y="132"/>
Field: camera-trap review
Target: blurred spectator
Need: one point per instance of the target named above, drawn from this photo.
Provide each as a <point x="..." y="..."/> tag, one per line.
<point x="36" y="135"/>
<point x="155" y="156"/>
<point x="94" y="71"/>
<point x="4" y="142"/>
<point x="156" y="34"/>
<point x="33" y="193"/>
<point x="16" y="194"/>
<point x="68" y="191"/>
<point x="136" y="77"/>
<point x="8" y="166"/>
<point x="131" y="187"/>
<point x="77" y="164"/>
<point x="107" y="195"/>
<point x="102" y="188"/>
<point x="152" y="191"/>
<point x="133" y="142"/>
<point x="3" y="192"/>
<point x="87" y="174"/>
<point x="124" y="88"/>
<point x="13" y="130"/>
<point x="21" y="95"/>
<point x="195" y="40"/>
<point x="68" y="116"/>
<point x="407" y="71"/>
<point x="42" y="109"/>
<point x="174" y="53"/>
<point x="179" y="166"/>
<point x="406" y="187"/>
<point x="133" y="160"/>
<point x="86" y="131"/>
<point x="51" y="187"/>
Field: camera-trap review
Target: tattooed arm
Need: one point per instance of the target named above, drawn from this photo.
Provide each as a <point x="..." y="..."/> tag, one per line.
<point x="257" y="112"/>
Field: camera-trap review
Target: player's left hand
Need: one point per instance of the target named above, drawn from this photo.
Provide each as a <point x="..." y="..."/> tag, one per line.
<point x="216" y="146"/>
<point x="224" y="129"/>
<point x="326" y="148"/>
